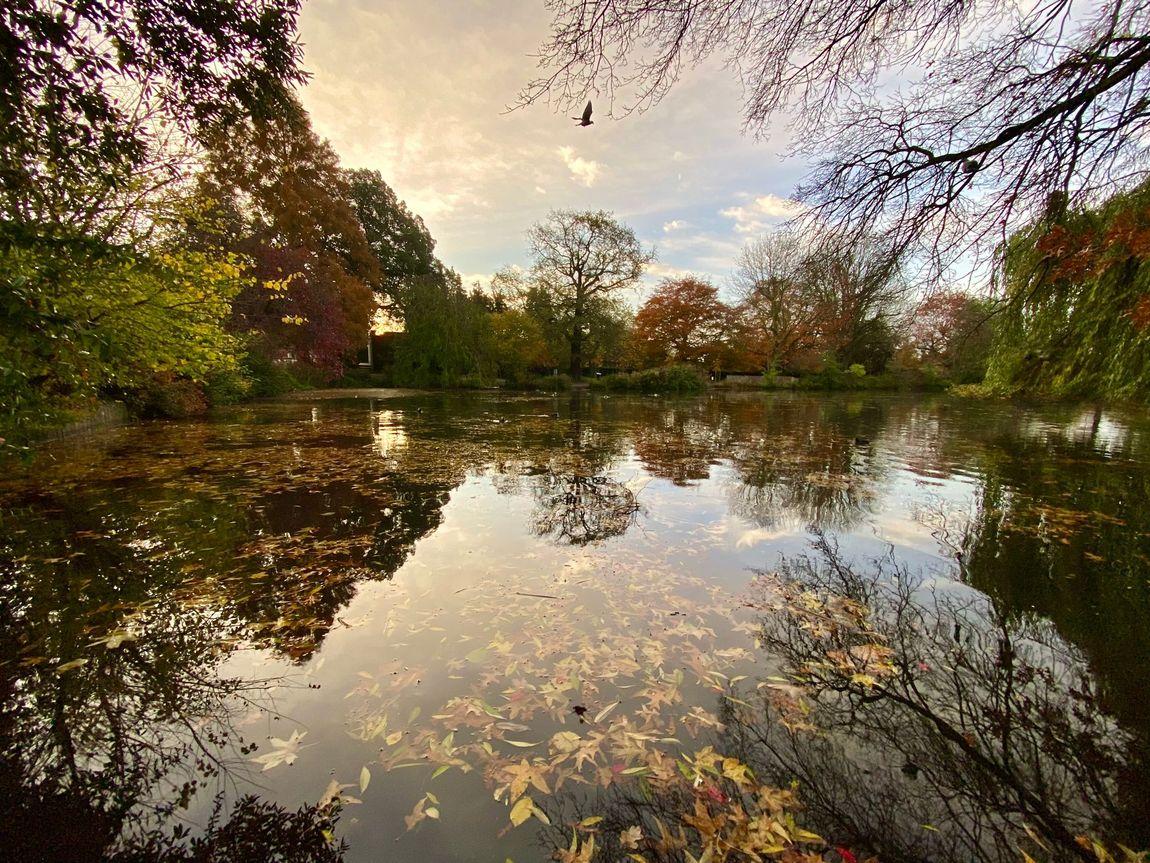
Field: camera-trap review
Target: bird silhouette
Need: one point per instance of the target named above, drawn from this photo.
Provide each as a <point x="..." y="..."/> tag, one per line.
<point x="585" y="120"/>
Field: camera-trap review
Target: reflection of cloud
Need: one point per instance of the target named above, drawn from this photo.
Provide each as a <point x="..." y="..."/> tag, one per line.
<point x="586" y="171"/>
<point x="758" y="535"/>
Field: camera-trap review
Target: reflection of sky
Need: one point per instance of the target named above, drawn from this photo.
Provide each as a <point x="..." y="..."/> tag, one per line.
<point x="906" y="487"/>
<point x="388" y="434"/>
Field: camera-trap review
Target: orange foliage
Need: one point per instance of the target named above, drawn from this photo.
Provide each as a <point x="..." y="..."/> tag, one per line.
<point x="683" y="321"/>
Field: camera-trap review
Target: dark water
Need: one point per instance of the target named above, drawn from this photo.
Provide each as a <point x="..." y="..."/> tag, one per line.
<point x="402" y="601"/>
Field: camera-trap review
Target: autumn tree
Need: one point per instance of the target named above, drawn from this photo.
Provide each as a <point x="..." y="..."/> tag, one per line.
<point x="280" y="197"/>
<point x="683" y="321"/>
<point x="582" y="260"/>
<point x="951" y="330"/>
<point x="860" y="288"/>
<point x="1016" y="109"/>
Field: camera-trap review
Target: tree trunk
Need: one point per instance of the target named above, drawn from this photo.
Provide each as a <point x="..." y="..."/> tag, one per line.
<point x="577" y="349"/>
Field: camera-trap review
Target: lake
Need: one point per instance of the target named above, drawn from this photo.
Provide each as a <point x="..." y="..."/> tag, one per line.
<point x="486" y="626"/>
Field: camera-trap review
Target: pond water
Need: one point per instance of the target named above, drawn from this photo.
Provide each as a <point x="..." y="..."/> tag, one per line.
<point x="423" y="610"/>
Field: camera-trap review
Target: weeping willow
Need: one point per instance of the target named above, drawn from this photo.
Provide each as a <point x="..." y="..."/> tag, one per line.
<point x="1076" y="316"/>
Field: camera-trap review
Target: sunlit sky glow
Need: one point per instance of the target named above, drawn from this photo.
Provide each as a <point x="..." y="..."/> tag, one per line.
<point x="419" y="90"/>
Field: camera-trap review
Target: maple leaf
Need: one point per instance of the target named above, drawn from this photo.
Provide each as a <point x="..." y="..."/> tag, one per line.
<point x="283" y="751"/>
<point x="631" y="837"/>
<point x="519" y="776"/>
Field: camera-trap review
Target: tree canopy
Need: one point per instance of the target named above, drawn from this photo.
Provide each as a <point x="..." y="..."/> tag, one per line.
<point x="278" y="196"/>
<point x="398" y="238"/>
<point x="582" y="258"/>
<point x="683" y="321"/>
<point x="77" y="79"/>
<point x="1076" y="320"/>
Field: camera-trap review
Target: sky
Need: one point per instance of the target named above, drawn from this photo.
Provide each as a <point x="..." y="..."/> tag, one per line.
<point x="419" y="90"/>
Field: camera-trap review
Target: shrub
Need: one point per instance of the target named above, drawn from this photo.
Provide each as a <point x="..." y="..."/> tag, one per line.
<point x="268" y="378"/>
<point x="669" y="379"/>
<point x="167" y="395"/>
<point x="227" y="387"/>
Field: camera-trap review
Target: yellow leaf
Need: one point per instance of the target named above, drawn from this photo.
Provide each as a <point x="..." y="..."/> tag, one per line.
<point x="521" y="811"/>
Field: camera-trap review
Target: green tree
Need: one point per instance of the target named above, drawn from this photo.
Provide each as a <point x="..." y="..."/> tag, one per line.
<point x="398" y="237"/>
<point x="445" y="334"/>
<point x="581" y="260"/>
<point x="68" y="123"/>
<point x="85" y="318"/>
<point x="1076" y="303"/>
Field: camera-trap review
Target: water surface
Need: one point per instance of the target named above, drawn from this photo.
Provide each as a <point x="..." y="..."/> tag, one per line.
<point x="431" y="607"/>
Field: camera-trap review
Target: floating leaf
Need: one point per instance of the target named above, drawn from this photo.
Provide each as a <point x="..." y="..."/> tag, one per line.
<point x="521" y="811"/>
<point x="364" y="778"/>
<point x="605" y="712"/>
<point x="283" y="751"/>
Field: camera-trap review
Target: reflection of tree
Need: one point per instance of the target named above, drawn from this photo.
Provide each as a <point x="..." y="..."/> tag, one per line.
<point x="255" y="830"/>
<point x="578" y="509"/>
<point x="801" y="464"/>
<point x="917" y="725"/>
<point x="112" y="711"/>
<point x="683" y="443"/>
<point x="1058" y="529"/>
<point x="923" y="706"/>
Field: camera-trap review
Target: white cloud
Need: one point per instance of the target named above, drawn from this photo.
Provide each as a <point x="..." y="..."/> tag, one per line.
<point x="539" y="190"/>
<point x="586" y="171"/>
<point x="673" y="225"/>
<point x="761" y="213"/>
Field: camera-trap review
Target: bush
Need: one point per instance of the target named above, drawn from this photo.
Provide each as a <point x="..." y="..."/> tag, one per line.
<point x="227" y="387"/>
<point x="169" y="396"/>
<point x="669" y="379"/>
<point x="269" y="378"/>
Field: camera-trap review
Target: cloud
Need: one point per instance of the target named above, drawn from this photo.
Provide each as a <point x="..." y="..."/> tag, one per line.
<point x="761" y="213"/>
<point x="586" y="171"/>
<point x="419" y="91"/>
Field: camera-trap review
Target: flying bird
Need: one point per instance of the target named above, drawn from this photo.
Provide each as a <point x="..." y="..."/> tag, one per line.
<point x="585" y="120"/>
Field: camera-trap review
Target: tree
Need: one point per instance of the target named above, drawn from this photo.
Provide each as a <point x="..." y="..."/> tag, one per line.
<point x="1076" y="304"/>
<point x="951" y="330"/>
<point x="859" y="288"/>
<point x="779" y="310"/>
<point x="400" y="241"/>
<point x="278" y="195"/>
<point x="683" y="321"/>
<point x="1018" y="109"/>
<point x="582" y="258"/>
<point x="79" y="319"/>
<point x="445" y="334"/>
<point x="806" y="297"/>
<point x="66" y="69"/>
